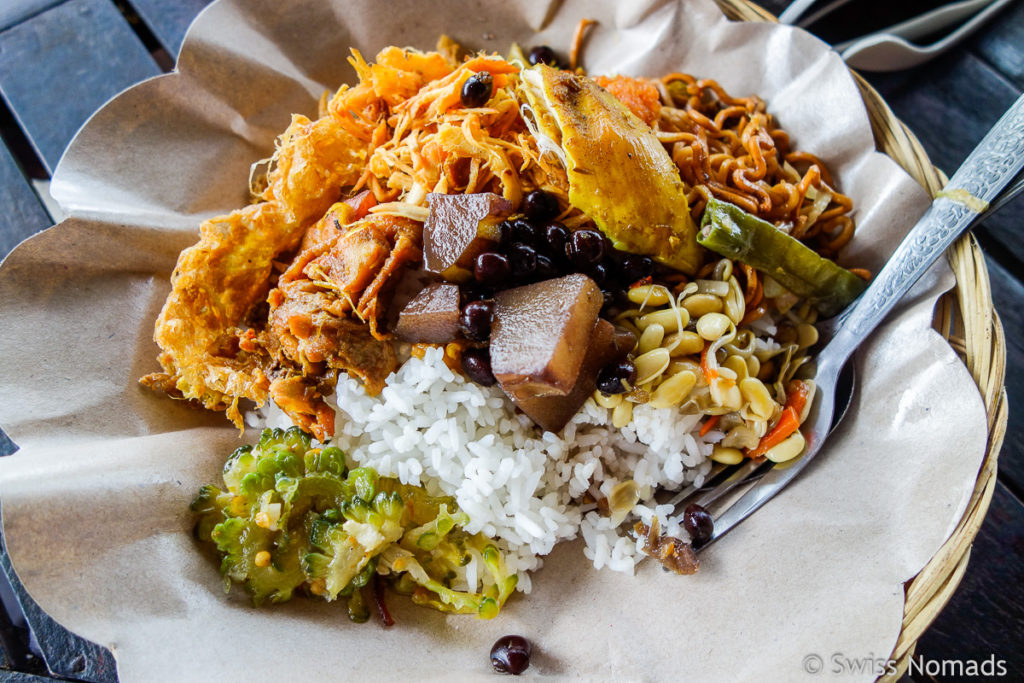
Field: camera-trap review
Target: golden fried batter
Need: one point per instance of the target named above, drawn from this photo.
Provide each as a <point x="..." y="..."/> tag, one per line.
<point x="218" y="281"/>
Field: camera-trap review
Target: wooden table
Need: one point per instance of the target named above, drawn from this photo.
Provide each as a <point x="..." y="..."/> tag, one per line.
<point x="61" y="59"/>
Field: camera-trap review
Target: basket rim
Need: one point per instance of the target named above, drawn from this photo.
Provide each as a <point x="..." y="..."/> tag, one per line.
<point x="967" y="320"/>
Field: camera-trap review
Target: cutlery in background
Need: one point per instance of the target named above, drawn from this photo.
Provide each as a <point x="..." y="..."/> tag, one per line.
<point x="893" y="35"/>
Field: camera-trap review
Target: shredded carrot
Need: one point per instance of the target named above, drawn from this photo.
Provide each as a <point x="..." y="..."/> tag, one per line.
<point x="709" y="372"/>
<point x="642" y="281"/>
<point x="759" y="294"/>
<point x="796" y="396"/>
<point x="709" y="424"/>
<point x="638" y="94"/>
<point x="862" y="273"/>
<point x="754" y="290"/>
<point x="787" y="424"/>
<point x="494" y="66"/>
<point x="363" y="180"/>
<point x="362" y="203"/>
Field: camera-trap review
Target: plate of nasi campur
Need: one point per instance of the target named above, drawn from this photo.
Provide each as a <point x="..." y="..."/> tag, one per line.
<point x="483" y="301"/>
<point x="575" y="334"/>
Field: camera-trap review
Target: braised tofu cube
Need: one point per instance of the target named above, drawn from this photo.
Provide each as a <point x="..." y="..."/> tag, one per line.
<point x="554" y="412"/>
<point x="458" y="228"/>
<point x="432" y="317"/>
<point x="540" y="334"/>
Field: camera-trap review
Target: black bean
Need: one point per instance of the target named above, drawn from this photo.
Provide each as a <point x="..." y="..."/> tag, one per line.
<point x="698" y="524"/>
<point x="586" y="248"/>
<point x="542" y="54"/>
<point x="612" y="257"/>
<point x="556" y="235"/>
<point x="524" y="232"/>
<point x="477" y="89"/>
<point x="609" y="299"/>
<point x="610" y="252"/>
<point x="546" y="269"/>
<point x="475" y="320"/>
<point x="613" y="377"/>
<point x="511" y="655"/>
<point x="540" y="205"/>
<point x="507" y="233"/>
<point x="635" y="267"/>
<point x="476" y="363"/>
<point x="598" y="273"/>
<point x="474" y="291"/>
<point x="523" y="259"/>
<point x="491" y="268"/>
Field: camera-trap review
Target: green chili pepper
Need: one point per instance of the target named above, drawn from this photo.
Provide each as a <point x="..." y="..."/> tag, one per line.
<point x="732" y="232"/>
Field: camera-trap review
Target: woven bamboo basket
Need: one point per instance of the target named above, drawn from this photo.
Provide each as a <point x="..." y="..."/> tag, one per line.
<point x="966" y="318"/>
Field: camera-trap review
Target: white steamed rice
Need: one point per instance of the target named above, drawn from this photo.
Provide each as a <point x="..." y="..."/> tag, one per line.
<point x="431" y="427"/>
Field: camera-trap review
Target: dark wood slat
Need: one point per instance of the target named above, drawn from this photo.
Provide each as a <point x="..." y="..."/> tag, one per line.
<point x="61" y="65"/>
<point x="1002" y="237"/>
<point x="775" y="6"/>
<point x="15" y="11"/>
<point x="66" y="655"/>
<point x="1008" y="295"/>
<point x="19" y="677"/>
<point x="949" y="103"/>
<point x="1000" y="43"/>
<point x="21" y="213"/>
<point x="7" y="635"/>
<point x="6" y="445"/>
<point x="986" y="614"/>
<point x="14" y="646"/>
<point x="169" y="20"/>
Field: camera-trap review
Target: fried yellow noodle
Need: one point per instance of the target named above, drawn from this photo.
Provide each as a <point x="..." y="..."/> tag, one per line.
<point x="731" y="148"/>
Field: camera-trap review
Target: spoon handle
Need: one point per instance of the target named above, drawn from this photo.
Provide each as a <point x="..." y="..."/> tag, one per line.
<point x="989" y="168"/>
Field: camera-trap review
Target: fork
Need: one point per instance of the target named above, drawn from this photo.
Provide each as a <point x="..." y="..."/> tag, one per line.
<point x="984" y="183"/>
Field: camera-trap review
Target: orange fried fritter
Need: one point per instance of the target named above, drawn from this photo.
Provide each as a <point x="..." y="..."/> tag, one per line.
<point x="218" y="281"/>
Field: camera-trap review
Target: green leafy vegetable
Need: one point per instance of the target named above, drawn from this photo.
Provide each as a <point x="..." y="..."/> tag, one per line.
<point x="293" y="517"/>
